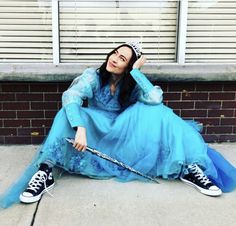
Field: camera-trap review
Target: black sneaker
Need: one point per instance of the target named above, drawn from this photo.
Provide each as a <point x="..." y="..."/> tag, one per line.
<point x="41" y="182"/>
<point x="199" y="180"/>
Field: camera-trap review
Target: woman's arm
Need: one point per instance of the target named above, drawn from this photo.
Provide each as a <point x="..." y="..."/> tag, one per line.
<point x="81" y="88"/>
<point x="148" y="93"/>
<point x="72" y="99"/>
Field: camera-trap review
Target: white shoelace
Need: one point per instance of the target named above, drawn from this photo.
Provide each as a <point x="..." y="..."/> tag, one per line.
<point x="36" y="181"/>
<point x="199" y="173"/>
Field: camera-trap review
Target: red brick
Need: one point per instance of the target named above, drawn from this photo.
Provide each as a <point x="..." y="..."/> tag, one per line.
<point x="229" y="104"/>
<point x="43" y="87"/>
<point x="16" y="105"/>
<point x="220" y="113"/>
<point x="207" y="104"/>
<point x="209" y="121"/>
<point x="194" y="96"/>
<point x="209" y="86"/>
<point x="181" y="98"/>
<point x="211" y="138"/>
<point x="29" y="97"/>
<point x="52" y="96"/>
<point x="203" y="129"/>
<point x="181" y="105"/>
<point x="2" y="139"/>
<point x="18" y="140"/>
<point x="165" y="102"/>
<point x="171" y="96"/>
<point x="30" y="114"/>
<point x="219" y="129"/>
<point x="41" y="122"/>
<point x="228" y="121"/>
<point x="234" y="129"/>
<point x="50" y="114"/>
<point x="63" y="86"/>
<point x="7" y="114"/>
<point x="47" y="130"/>
<point x="193" y="113"/>
<point x="59" y="104"/>
<point x="7" y="96"/>
<point x="227" y="138"/>
<point x="37" y="140"/>
<point x="177" y="112"/>
<point x="183" y="86"/>
<point x="7" y="131"/>
<point x="30" y="131"/>
<point x="16" y="123"/>
<point x="230" y="86"/>
<point x="222" y="96"/>
<point x="43" y="105"/>
<point x="15" y="87"/>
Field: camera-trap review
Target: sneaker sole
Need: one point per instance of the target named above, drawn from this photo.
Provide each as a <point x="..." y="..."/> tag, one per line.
<point x="25" y="199"/>
<point x="203" y="191"/>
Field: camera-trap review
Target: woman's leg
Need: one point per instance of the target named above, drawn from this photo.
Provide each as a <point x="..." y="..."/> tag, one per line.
<point x="192" y="173"/>
<point x="163" y="144"/>
<point x="194" y="176"/>
<point x="41" y="182"/>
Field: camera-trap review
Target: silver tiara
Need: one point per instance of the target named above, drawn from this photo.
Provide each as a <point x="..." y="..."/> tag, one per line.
<point x="136" y="47"/>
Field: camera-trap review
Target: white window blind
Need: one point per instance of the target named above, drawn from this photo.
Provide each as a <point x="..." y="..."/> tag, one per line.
<point x="211" y="31"/>
<point x="90" y="29"/>
<point x="25" y="31"/>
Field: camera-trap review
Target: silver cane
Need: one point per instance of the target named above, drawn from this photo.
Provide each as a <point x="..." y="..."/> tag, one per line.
<point x="119" y="163"/>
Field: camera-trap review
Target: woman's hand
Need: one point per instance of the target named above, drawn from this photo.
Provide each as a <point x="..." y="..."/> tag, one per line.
<point x="80" y="142"/>
<point x="139" y="62"/>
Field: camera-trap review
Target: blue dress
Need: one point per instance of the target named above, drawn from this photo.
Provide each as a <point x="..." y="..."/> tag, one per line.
<point x="147" y="136"/>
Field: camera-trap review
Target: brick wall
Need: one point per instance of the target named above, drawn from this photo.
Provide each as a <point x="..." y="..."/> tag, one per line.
<point x="27" y="109"/>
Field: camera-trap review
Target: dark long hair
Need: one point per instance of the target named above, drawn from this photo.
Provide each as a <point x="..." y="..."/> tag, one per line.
<point x="127" y="81"/>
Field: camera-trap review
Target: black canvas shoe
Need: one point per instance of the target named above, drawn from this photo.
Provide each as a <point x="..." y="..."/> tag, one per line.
<point x="41" y="182"/>
<point x="200" y="181"/>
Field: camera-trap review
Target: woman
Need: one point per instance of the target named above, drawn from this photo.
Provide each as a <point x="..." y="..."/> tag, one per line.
<point x="126" y="120"/>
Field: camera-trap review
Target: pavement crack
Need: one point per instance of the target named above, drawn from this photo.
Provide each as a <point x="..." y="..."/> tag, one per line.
<point x="35" y="212"/>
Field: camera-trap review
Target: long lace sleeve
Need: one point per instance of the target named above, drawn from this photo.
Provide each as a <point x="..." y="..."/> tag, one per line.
<point x="147" y="93"/>
<point x="81" y="88"/>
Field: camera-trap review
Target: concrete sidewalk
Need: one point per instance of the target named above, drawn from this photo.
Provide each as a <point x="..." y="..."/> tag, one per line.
<point x="80" y="201"/>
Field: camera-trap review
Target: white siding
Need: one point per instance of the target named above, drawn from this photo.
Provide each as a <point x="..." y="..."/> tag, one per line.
<point x="25" y="31"/>
<point x="90" y="29"/>
<point x="211" y="31"/>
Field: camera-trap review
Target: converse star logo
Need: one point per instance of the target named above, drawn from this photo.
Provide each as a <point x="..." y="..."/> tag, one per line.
<point x="50" y="176"/>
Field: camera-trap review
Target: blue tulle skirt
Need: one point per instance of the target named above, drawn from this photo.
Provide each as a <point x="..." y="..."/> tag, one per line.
<point x="151" y="139"/>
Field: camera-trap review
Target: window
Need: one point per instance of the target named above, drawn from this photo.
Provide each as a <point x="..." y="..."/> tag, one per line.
<point x="90" y="29"/>
<point x="211" y="31"/>
<point x="25" y="31"/>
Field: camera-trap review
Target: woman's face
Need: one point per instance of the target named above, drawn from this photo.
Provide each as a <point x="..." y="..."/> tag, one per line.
<point x="119" y="60"/>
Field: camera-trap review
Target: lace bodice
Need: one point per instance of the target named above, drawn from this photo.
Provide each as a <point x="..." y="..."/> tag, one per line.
<point x="88" y="86"/>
